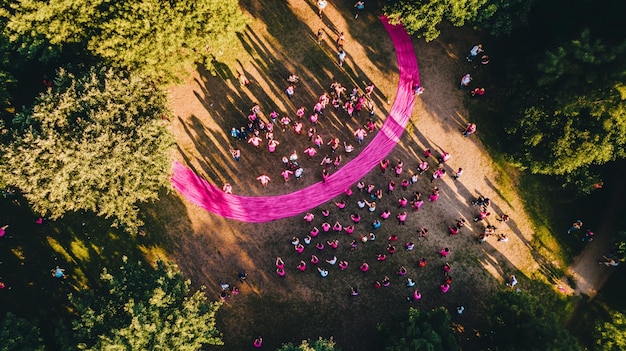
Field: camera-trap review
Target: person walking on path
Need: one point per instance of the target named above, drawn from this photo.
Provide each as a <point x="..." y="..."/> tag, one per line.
<point x="341" y="40"/>
<point x="466" y="80"/>
<point x="575" y="226"/>
<point x="458" y="173"/>
<point x="342" y="57"/>
<point x="321" y="5"/>
<point x="469" y="130"/>
<point x="359" y="5"/>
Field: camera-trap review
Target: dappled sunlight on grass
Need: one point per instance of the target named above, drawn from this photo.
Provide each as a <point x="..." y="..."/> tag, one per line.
<point x="79" y="250"/>
<point x="58" y="248"/>
<point x="19" y="253"/>
<point x="153" y="253"/>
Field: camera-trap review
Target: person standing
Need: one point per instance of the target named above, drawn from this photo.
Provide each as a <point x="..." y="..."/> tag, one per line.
<point x="342" y="57"/>
<point x="321" y="5"/>
<point x="469" y="130"/>
<point x="466" y="80"/>
<point x="477" y="49"/>
<point x="341" y="39"/>
<point x="320" y="35"/>
<point x="264" y="179"/>
<point x="236" y="154"/>
<point x="359" y="5"/>
<point x="575" y="226"/>
<point x="458" y="173"/>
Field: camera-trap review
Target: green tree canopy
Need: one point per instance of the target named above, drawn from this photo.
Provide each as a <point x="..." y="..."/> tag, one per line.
<point x="421" y="330"/>
<point x="422" y="17"/>
<point x="19" y="334"/>
<point x="306" y="345"/>
<point x="141" y="308"/>
<point x="574" y="113"/>
<point x="159" y="39"/>
<point x="519" y="321"/>
<point x="97" y="143"/>
<point x="611" y="335"/>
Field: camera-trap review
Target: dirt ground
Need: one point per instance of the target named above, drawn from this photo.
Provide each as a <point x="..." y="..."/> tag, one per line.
<point x="210" y="249"/>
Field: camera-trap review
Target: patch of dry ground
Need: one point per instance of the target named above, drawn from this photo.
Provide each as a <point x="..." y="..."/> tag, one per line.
<point x="210" y="249"/>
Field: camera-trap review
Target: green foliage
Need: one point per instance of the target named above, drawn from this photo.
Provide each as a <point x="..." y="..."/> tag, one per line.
<point x="611" y="335"/>
<point x="159" y="39"/>
<point x="501" y="17"/>
<point x="6" y="78"/>
<point x="306" y="345"/>
<point x="19" y="334"/>
<point x="519" y="321"/>
<point x="576" y="116"/>
<point x="620" y="246"/>
<point x="97" y="143"/>
<point x="421" y="330"/>
<point x="144" y="309"/>
<point x="422" y="17"/>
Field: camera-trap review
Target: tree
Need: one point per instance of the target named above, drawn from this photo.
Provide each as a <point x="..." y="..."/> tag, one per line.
<point x="573" y="109"/>
<point x="142" y="308"/>
<point x="306" y="345"/>
<point x="19" y="334"/>
<point x="422" y="17"/>
<point x="159" y="39"/>
<point x="502" y="17"/>
<point x="519" y="321"/>
<point x="611" y="335"/>
<point x="421" y="330"/>
<point x="97" y="143"/>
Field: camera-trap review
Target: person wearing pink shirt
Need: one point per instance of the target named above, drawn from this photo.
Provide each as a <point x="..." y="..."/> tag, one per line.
<point x="349" y="229"/>
<point x="271" y="145"/>
<point x="383" y="165"/>
<point x="314" y="232"/>
<point x="403" y="201"/>
<point x="341" y="204"/>
<point x="300" y="112"/>
<point x="444" y="252"/>
<point x="297" y="128"/>
<point x="309" y="217"/>
<point x="391" y="186"/>
<point x="386" y="214"/>
<point x="337" y="227"/>
<point x="311" y="152"/>
<point x="255" y="141"/>
<point x="264" y="179"/>
<point x="360" y="134"/>
<point x="417" y="204"/>
<point x="318" y="141"/>
<point x="326" y="226"/>
<point x="402" y="217"/>
<point x="337" y="161"/>
<point x="318" y="108"/>
<point x="302" y="266"/>
<point x="325" y="175"/>
<point x="314" y="118"/>
<point x="227" y="188"/>
<point x="398" y="168"/>
<point x="286" y="173"/>
<point x="314" y="259"/>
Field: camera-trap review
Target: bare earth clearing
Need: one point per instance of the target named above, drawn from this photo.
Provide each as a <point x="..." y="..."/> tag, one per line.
<point x="210" y="249"/>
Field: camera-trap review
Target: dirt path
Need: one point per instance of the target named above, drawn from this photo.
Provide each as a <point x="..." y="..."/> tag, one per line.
<point x="585" y="270"/>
